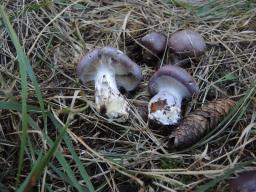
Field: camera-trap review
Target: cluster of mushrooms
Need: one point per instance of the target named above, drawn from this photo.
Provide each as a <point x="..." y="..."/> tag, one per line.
<point x="110" y="69"/>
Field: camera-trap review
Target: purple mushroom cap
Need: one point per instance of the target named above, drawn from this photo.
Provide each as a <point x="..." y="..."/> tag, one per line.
<point x="246" y="182"/>
<point x="173" y="76"/>
<point x="128" y="74"/>
<point x="187" y="43"/>
<point x="155" y="42"/>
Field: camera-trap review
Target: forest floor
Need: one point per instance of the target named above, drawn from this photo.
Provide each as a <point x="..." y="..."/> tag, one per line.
<point x="53" y="139"/>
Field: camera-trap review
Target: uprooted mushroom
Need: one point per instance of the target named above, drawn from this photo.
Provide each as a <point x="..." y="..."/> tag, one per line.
<point x="110" y="69"/>
<point x="168" y="86"/>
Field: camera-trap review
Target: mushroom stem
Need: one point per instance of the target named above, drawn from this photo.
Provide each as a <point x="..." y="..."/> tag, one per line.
<point x="108" y="99"/>
<point x="165" y="107"/>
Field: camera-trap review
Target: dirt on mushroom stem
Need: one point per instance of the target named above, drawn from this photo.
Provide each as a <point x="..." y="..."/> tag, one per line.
<point x="109" y="101"/>
<point x="110" y="69"/>
<point x="169" y="86"/>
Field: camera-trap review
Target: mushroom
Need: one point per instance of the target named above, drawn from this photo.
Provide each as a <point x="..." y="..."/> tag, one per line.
<point x="169" y="85"/>
<point x="187" y="43"/>
<point x="155" y="43"/>
<point x="246" y="182"/>
<point x="111" y="70"/>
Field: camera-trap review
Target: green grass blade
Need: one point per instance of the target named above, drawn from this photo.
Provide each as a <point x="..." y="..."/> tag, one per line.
<point x="235" y="113"/>
<point x="13" y="105"/>
<point x="60" y="158"/>
<point x="71" y="149"/>
<point x="80" y="166"/>
<point x="26" y="65"/>
<point x="70" y="175"/>
<point x="17" y="107"/>
<point x="238" y="110"/>
<point x="61" y="174"/>
<point x="24" y="89"/>
<point x="40" y="165"/>
<point x="32" y="77"/>
<point x="30" y="72"/>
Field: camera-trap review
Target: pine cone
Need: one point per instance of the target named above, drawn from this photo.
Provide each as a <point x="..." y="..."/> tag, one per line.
<point x="198" y="122"/>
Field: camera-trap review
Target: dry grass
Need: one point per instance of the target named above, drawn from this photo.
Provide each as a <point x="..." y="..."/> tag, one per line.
<point x="130" y="156"/>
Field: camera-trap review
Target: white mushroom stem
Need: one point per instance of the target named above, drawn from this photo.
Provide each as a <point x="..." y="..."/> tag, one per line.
<point x="165" y="106"/>
<point x="108" y="99"/>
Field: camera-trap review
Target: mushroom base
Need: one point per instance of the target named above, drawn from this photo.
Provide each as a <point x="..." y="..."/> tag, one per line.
<point x="108" y="99"/>
<point x="164" y="108"/>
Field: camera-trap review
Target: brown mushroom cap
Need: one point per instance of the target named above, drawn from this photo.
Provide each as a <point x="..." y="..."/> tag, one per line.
<point x="128" y="73"/>
<point x="187" y="43"/>
<point x="246" y="182"/>
<point x="171" y="75"/>
<point x="155" y="42"/>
